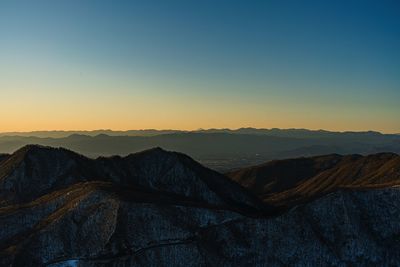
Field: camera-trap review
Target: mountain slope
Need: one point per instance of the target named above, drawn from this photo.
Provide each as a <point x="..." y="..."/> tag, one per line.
<point x="279" y="175"/>
<point x="34" y="171"/>
<point x="159" y="208"/>
<point x="289" y="182"/>
<point x="3" y="157"/>
<point x="98" y="225"/>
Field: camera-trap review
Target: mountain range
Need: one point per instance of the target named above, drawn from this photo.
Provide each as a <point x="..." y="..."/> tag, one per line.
<point x="160" y="208"/>
<point x="222" y="150"/>
<point x="299" y="133"/>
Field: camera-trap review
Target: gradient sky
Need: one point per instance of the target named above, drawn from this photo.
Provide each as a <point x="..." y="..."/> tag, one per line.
<point x="199" y="64"/>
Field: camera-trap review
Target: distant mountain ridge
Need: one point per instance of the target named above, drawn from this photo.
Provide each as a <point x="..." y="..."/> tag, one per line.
<point x="293" y="132"/>
<point x="221" y="151"/>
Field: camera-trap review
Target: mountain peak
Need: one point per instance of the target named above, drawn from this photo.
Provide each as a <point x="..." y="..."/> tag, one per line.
<point x="102" y="135"/>
<point x="35" y="148"/>
<point x="153" y="153"/>
<point x="31" y="148"/>
<point x="34" y="171"/>
<point x="156" y="149"/>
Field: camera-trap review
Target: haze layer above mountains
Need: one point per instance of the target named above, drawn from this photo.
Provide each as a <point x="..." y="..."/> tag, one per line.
<point x="220" y="149"/>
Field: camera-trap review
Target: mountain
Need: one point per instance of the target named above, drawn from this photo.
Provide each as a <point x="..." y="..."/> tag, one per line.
<point x="159" y="208"/>
<point x="220" y="151"/>
<point x="293" y="181"/>
<point x="34" y="171"/>
<point x="297" y="133"/>
<point x="61" y="134"/>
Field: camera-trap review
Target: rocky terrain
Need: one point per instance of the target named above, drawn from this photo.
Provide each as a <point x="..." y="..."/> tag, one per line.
<point x="159" y="208"/>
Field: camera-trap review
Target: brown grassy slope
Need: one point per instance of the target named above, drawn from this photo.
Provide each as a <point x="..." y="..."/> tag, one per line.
<point x="289" y="182"/>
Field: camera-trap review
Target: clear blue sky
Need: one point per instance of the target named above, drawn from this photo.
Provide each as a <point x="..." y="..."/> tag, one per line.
<point x="199" y="64"/>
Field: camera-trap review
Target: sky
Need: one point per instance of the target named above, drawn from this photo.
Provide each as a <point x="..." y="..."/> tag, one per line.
<point x="85" y="65"/>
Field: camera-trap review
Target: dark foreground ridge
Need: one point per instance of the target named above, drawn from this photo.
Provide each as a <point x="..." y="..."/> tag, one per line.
<point x="159" y="208"/>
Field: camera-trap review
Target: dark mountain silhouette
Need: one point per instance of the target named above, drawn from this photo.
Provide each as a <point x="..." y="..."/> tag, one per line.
<point x="293" y="181"/>
<point x="159" y="208"/>
<point x="34" y="171"/>
<point x="222" y="151"/>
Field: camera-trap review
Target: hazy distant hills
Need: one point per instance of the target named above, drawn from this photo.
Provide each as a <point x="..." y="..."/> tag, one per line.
<point x="220" y="149"/>
<point x="160" y="208"/>
<point x="297" y="133"/>
<point x="60" y="134"/>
